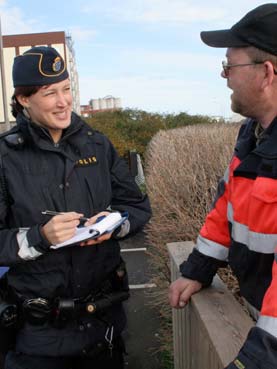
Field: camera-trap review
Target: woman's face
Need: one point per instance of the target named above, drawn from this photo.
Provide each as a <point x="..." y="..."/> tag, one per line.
<point x="50" y="107"/>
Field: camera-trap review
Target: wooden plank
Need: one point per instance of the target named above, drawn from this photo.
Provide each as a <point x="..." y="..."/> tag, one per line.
<point x="179" y="251"/>
<point x="224" y="321"/>
<point x="211" y="329"/>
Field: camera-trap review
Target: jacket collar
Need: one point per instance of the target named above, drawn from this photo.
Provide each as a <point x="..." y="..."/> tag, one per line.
<point x="41" y="137"/>
<point x="257" y="160"/>
<point x="268" y="145"/>
<point x="246" y="143"/>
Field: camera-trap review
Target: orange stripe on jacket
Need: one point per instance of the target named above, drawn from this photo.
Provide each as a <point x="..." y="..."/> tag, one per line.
<point x="269" y="306"/>
<point x="254" y="203"/>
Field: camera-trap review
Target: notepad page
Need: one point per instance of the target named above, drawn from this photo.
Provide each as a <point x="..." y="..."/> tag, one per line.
<point x="107" y="224"/>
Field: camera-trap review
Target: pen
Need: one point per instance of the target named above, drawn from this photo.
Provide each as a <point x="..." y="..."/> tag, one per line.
<point x="50" y="212"/>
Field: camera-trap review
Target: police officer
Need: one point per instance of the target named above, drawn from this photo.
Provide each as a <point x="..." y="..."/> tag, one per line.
<point x="53" y="160"/>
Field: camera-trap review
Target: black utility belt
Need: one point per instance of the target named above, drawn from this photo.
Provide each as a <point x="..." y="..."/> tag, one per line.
<point x="38" y="311"/>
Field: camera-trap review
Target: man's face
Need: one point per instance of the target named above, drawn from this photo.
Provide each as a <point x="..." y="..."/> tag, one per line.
<point x="243" y="81"/>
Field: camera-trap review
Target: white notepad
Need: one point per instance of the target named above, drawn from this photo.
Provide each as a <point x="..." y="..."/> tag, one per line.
<point x="106" y="225"/>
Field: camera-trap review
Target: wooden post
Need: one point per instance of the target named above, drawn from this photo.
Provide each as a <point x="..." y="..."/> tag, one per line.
<point x="211" y="329"/>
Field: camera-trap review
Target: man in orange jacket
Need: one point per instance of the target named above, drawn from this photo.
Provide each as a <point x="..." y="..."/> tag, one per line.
<point x="241" y="229"/>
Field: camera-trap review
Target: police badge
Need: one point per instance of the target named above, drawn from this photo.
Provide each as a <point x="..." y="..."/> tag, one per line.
<point x="56" y="66"/>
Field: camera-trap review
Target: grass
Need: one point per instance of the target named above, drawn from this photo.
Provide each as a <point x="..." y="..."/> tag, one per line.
<point x="183" y="167"/>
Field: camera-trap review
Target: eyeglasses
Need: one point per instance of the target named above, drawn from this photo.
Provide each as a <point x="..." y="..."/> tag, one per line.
<point x="226" y="67"/>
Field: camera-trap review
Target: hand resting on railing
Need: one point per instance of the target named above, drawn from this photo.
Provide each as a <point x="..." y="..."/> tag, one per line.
<point x="181" y="290"/>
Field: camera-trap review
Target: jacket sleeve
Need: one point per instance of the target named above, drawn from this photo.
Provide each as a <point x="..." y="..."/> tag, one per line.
<point x="17" y="244"/>
<point x="260" y="348"/>
<point x="126" y="195"/>
<point x="212" y="246"/>
<point x="213" y="242"/>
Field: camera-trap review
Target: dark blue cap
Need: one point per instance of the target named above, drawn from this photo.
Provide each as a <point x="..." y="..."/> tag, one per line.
<point x="39" y="66"/>
<point x="257" y="28"/>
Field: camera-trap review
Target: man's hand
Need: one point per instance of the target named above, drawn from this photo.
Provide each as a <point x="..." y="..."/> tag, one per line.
<point x="100" y="239"/>
<point x="181" y="290"/>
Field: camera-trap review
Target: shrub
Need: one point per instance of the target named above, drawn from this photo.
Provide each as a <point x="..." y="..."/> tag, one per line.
<point x="183" y="166"/>
<point x="132" y="129"/>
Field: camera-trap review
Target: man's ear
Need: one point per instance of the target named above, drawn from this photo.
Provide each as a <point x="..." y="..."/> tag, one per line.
<point x="23" y="100"/>
<point x="269" y="74"/>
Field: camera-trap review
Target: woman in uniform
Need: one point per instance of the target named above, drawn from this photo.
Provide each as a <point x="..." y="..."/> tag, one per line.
<point x="52" y="160"/>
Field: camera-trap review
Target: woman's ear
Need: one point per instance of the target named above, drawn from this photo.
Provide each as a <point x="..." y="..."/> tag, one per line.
<point x="23" y="100"/>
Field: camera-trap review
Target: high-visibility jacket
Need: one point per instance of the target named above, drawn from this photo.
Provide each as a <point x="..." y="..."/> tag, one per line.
<point x="241" y="229"/>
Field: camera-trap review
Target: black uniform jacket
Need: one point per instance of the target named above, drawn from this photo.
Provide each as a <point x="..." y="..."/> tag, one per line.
<point x="81" y="173"/>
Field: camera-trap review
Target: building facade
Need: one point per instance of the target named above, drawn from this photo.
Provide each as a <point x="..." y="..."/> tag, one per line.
<point x="14" y="45"/>
<point x="107" y="103"/>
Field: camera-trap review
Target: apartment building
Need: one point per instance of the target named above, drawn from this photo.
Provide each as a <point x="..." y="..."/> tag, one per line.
<point x="14" y="45"/>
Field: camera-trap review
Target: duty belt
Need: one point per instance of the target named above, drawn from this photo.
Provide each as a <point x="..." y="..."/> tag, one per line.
<point x="37" y="311"/>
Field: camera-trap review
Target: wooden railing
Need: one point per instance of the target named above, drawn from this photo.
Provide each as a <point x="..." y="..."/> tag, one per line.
<point x="211" y="329"/>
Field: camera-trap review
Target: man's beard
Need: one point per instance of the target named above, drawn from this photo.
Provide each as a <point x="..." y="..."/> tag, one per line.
<point x="238" y="107"/>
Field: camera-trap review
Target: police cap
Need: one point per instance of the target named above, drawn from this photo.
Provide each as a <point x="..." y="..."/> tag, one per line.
<point x="39" y="66"/>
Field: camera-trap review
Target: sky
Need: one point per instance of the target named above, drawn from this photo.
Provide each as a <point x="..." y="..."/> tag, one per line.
<point x="146" y="52"/>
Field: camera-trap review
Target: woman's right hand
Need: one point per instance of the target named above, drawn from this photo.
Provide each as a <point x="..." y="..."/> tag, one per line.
<point x="61" y="227"/>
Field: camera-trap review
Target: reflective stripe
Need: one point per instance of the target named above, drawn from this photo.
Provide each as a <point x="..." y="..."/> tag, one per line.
<point x="125" y="229"/>
<point x="259" y="242"/>
<point x="230" y="213"/>
<point x="268" y="324"/>
<point x="211" y="248"/>
<point x="226" y="175"/>
<point x="254" y="241"/>
<point x="25" y="252"/>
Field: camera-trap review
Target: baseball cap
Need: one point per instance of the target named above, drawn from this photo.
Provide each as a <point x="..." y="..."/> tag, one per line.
<point x="39" y="66"/>
<point x="257" y="28"/>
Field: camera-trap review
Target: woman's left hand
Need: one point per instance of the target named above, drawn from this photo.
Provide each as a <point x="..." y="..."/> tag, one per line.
<point x="100" y="239"/>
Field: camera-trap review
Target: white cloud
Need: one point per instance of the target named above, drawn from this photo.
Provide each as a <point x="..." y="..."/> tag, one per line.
<point x="175" y="12"/>
<point x="14" y="21"/>
<point x="165" y="11"/>
<point x="82" y="34"/>
<point x="157" y="11"/>
<point x="172" y="61"/>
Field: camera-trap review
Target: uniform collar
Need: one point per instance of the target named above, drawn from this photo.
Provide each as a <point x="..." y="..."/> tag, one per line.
<point x="42" y="138"/>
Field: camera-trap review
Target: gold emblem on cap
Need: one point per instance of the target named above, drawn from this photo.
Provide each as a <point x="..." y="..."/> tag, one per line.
<point x="90" y="308"/>
<point x="56" y="66"/>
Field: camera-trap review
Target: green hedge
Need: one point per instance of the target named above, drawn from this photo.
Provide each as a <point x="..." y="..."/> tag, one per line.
<point x="133" y="129"/>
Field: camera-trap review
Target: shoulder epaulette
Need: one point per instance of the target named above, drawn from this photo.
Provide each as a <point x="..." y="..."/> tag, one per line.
<point x="13" y="138"/>
<point x="10" y="131"/>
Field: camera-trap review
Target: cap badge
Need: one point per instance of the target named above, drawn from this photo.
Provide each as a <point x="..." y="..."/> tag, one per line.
<point x="57" y="65"/>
